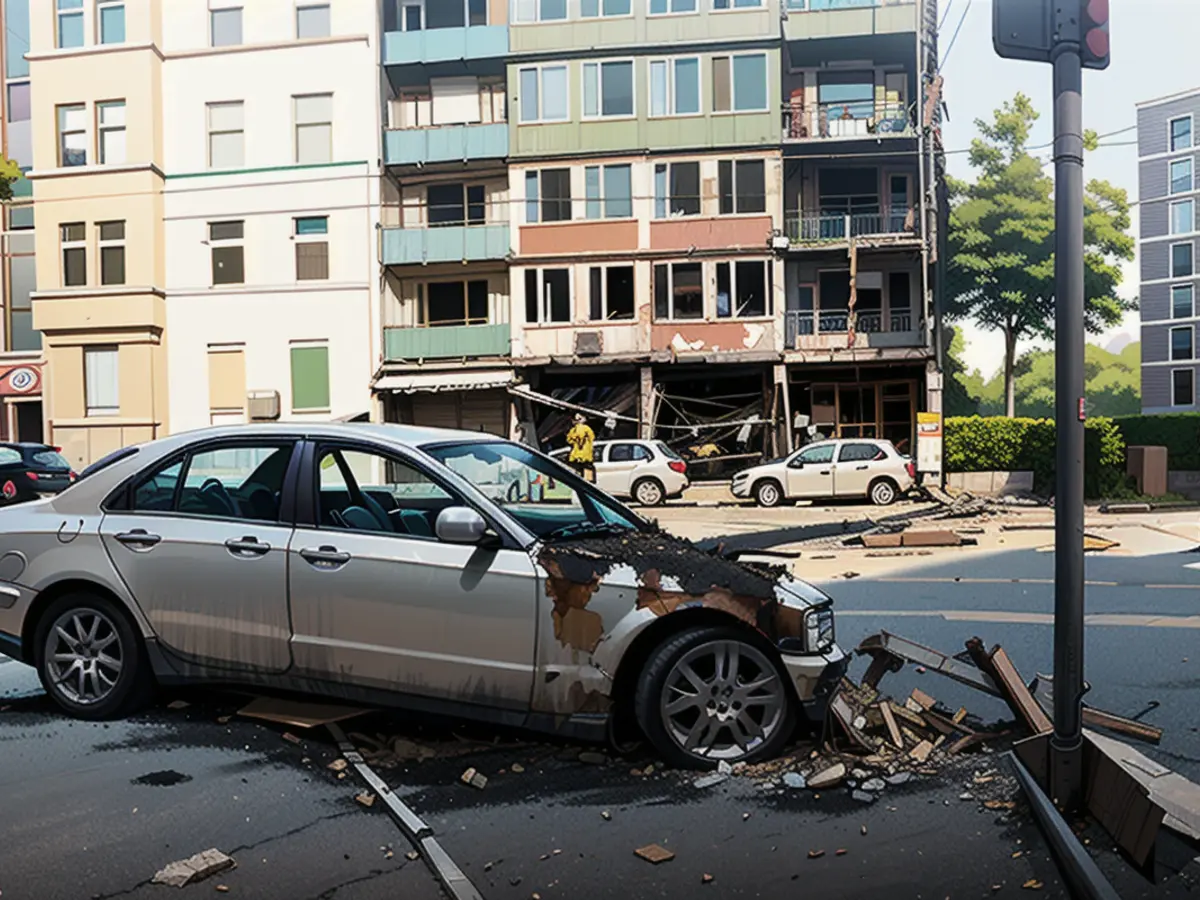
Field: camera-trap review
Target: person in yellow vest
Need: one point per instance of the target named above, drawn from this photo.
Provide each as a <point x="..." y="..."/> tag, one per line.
<point x="581" y="438"/>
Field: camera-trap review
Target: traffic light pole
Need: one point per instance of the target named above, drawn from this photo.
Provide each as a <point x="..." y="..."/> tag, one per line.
<point x="1066" y="745"/>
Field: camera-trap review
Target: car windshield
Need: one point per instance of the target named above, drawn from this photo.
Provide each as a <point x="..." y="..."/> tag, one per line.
<point x="666" y="451"/>
<point x="50" y="459"/>
<point x="543" y="495"/>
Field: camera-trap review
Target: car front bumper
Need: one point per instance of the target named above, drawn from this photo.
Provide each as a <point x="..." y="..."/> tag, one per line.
<point x="740" y="489"/>
<point x="816" y="677"/>
<point x="14" y="604"/>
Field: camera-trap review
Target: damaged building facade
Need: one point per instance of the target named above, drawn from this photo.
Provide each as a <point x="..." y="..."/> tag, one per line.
<point x="710" y="222"/>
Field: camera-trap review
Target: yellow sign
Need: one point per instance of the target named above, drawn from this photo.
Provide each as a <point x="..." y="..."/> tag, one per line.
<point x="929" y="425"/>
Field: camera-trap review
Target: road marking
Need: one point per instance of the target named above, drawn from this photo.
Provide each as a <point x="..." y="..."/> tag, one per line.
<point x="1000" y="617"/>
<point x="414" y="828"/>
<point x="1038" y="581"/>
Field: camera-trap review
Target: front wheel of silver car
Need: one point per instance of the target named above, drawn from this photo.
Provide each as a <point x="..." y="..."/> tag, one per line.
<point x="90" y="659"/>
<point x="768" y="493"/>
<point x="649" y="492"/>
<point x="712" y="695"/>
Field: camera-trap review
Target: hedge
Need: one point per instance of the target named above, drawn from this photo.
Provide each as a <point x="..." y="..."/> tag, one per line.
<point x="1000" y="444"/>
<point x="1179" y="433"/>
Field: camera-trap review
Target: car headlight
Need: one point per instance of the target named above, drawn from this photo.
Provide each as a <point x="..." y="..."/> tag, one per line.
<point x="818" y="629"/>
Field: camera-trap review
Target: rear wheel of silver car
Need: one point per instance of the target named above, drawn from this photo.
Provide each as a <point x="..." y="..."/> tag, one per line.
<point x="712" y="695"/>
<point x="883" y="492"/>
<point x="648" y="492"/>
<point x="768" y="493"/>
<point x="90" y="659"/>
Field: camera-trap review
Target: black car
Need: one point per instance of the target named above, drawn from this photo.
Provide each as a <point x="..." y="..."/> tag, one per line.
<point x="30" y="471"/>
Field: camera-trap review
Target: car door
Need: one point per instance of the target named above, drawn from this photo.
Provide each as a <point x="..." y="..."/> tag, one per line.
<point x="201" y="541"/>
<point x="810" y="472"/>
<point x="856" y="465"/>
<point x="620" y="463"/>
<point x="378" y="600"/>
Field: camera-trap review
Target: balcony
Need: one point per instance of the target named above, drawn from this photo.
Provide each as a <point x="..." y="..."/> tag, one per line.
<point x="892" y="226"/>
<point x="456" y="243"/>
<point x="441" y="45"/>
<point x="847" y="122"/>
<point x="448" y="143"/>
<point x="448" y="342"/>
<point x="806" y="329"/>
<point x="808" y="19"/>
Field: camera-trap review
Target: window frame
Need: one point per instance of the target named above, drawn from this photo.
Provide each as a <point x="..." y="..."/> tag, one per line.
<point x="670" y="64"/>
<point x="210" y="132"/>
<point x="768" y="288"/>
<point x="61" y="111"/>
<point x="66" y="245"/>
<point x="110" y="243"/>
<point x="540" y="70"/>
<point x="297" y="125"/>
<point x="301" y="346"/>
<point x="735" y="164"/>
<point x="694" y="11"/>
<point x="107" y="5"/>
<point x="542" y="299"/>
<point x="103" y="131"/>
<point x="536" y="204"/>
<point x="1190" y="289"/>
<point x="1191" y="373"/>
<point x="308" y="239"/>
<point x="102" y="410"/>
<point x="66" y="10"/>
<point x="601" y="14"/>
<point x="213" y="13"/>
<point x="1190" y="331"/>
<point x="1171" y="148"/>
<point x="1190" y="203"/>
<point x="602" y="200"/>
<point x="671" y="315"/>
<point x="732" y="69"/>
<point x="308" y="6"/>
<point x="423" y="318"/>
<point x="467" y="205"/>
<point x="1191" y="176"/>
<point x="598" y="65"/>
<point x="1171" y="259"/>
<point x="668" y="197"/>
<point x="216" y="243"/>
<point x="515" y="17"/>
<point x="736" y="6"/>
<point x="604" y="284"/>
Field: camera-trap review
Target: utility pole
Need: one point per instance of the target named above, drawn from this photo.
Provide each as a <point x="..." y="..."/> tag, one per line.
<point x="1070" y="35"/>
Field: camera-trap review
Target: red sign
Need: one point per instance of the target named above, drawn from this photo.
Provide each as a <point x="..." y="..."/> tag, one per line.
<point x="21" y="380"/>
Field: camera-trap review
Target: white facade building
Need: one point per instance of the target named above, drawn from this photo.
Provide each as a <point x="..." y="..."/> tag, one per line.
<point x="271" y="129"/>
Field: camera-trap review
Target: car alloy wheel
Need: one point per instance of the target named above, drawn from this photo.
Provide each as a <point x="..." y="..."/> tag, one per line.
<point x="84" y="656"/>
<point x="768" y="494"/>
<point x="648" y="492"/>
<point x="722" y="700"/>
<point x="883" y="493"/>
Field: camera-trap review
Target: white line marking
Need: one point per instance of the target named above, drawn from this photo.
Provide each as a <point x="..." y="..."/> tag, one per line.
<point x="1113" y="620"/>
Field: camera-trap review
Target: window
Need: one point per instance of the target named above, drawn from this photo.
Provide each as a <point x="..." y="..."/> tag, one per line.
<point x="228" y="254"/>
<point x="609" y="191"/>
<point x="110" y="118"/>
<point x="226" y="137"/>
<point x="814" y="455"/>
<point x="226" y="379"/>
<point x="225" y="27"/>
<point x="1183" y="387"/>
<point x="1183" y="217"/>
<point x="456" y="204"/>
<point x="553" y="187"/>
<point x="360" y="490"/>
<point x="737" y="4"/>
<point x="314" y="128"/>
<point x="543" y="94"/>
<point x="70" y="23"/>
<point x="310" y="377"/>
<point x="1181" y="176"/>
<point x="74" y="254"/>
<point x="100" y="381"/>
<point x="608" y="89"/>
<point x="1181" y="261"/>
<point x="72" y="135"/>
<point x="675" y="87"/>
<point x="1181" y="343"/>
<point x="1181" y="133"/>
<point x="547" y="295"/>
<point x="678" y="291"/>
<point x="446" y="303"/>
<point x="312" y="21"/>
<point x="611" y="293"/>
<point x="676" y="189"/>
<point x="860" y="453"/>
<point x="743" y="186"/>
<point x="663" y="7"/>
<point x="628" y="453"/>
<point x="740" y="83"/>
<point x="1183" y="301"/>
<point x="590" y="9"/>
<point x="539" y="11"/>
<point x="743" y="289"/>
<point x="312" y="248"/>
<point x="112" y="252"/>
<point x="241" y="482"/>
<point x="111" y="17"/>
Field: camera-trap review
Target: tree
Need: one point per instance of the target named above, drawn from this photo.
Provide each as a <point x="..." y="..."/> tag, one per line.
<point x="961" y="395"/>
<point x="10" y="173"/>
<point x="1001" y="240"/>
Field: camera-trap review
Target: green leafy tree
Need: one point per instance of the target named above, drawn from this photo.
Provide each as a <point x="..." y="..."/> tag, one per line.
<point x="1001" y="241"/>
<point x="10" y="173"/>
<point x="961" y="393"/>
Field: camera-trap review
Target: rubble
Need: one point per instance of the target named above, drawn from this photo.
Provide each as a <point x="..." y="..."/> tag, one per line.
<point x="474" y="778"/>
<point x="827" y="778"/>
<point x="654" y="854"/>
<point x="195" y="868"/>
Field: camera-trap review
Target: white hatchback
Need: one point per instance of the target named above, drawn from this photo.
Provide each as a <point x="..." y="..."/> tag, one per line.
<point x="647" y="471"/>
<point x="872" y="469"/>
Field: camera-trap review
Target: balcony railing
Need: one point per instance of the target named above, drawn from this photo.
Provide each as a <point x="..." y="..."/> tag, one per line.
<point x="451" y="243"/>
<point x="842" y="121"/>
<point x="819" y="5"/>
<point x="434" y="45"/>
<point x="446" y="342"/>
<point x="838" y="227"/>
<point x="447" y="143"/>
<point x="807" y="323"/>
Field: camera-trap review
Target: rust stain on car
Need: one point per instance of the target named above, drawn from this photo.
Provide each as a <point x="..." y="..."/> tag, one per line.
<point x="574" y="625"/>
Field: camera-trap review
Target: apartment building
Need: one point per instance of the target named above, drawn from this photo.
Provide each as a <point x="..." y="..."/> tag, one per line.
<point x="1169" y="194"/>
<point x="692" y="218"/>
<point x="270" y="204"/>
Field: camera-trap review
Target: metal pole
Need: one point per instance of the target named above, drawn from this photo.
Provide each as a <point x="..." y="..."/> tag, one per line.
<point x="1066" y="745"/>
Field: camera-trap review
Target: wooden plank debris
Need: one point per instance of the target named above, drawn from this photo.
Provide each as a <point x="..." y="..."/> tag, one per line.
<point x="1015" y="693"/>
<point x="890" y="721"/>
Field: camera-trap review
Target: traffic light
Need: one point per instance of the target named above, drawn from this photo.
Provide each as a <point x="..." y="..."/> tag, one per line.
<point x="1094" y="29"/>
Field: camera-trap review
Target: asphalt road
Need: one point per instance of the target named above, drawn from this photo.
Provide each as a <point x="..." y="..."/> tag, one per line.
<point x="93" y="810"/>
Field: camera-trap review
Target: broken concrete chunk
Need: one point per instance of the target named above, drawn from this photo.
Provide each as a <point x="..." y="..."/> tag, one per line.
<point x="194" y="868"/>
<point x="474" y="778"/>
<point x="338" y="765"/>
<point x="724" y="768"/>
<point x="921" y="752"/>
<point x="827" y="778"/>
<point x="873" y="784"/>
<point x="655" y="854"/>
<point x="708" y="781"/>
<point x="898" y="778"/>
<point x="795" y="780"/>
<point x="366" y="798"/>
<point x="863" y="796"/>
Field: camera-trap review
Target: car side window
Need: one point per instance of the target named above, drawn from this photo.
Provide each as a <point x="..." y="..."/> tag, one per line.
<point x="860" y="453"/>
<point x="9" y="456"/>
<point x="362" y="490"/>
<point x="641" y="454"/>
<point x="816" y="455"/>
<point x="243" y="482"/>
<point x="622" y="452"/>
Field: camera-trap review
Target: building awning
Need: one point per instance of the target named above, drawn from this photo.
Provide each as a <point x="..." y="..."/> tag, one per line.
<point x="436" y="382"/>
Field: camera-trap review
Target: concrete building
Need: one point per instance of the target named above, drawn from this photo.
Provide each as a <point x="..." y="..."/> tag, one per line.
<point x="1169" y="194"/>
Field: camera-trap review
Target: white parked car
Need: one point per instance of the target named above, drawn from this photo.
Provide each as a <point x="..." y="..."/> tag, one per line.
<point x="831" y="469"/>
<point x="648" y="471"/>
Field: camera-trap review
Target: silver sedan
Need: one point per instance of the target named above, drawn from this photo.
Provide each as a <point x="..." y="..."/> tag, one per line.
<point x="431" y="570"/>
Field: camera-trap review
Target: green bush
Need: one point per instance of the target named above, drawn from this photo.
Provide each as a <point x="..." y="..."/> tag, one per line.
<point x="1179" y="433"/>
<point x="999" y="444"/>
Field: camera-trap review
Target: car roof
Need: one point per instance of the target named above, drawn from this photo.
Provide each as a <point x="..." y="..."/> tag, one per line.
<point x="26" y="445"/>
<point x="413" y="435"/>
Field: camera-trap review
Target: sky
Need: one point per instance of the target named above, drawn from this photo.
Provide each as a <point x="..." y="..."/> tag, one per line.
<point x="1153" y="54"/>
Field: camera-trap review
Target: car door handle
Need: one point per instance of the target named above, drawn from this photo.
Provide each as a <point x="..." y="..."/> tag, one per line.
<point x="247" y="546"/>
<point x="138" y="539"/>
<point x="861" y="468"/>
<point x="325" y="556"/>
<point x="826" y="471"/>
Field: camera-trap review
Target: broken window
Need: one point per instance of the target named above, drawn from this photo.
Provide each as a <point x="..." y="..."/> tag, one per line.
<point x="611" y="293"/>
<point x="743" y="289"/>
<point x="678" y="291"/>
<point x="742" y="186"/>
<point x="547" y="295"/>
<point x="676" y="189"/>
<point x="456" y="204"/>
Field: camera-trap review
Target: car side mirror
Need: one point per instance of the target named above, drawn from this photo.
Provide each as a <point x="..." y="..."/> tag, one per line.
<point x="463" y="525"/>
